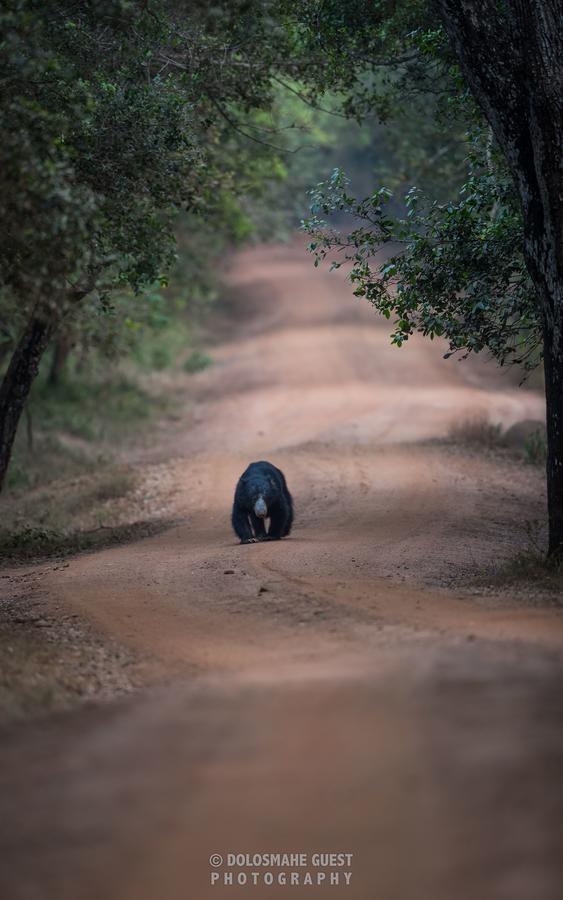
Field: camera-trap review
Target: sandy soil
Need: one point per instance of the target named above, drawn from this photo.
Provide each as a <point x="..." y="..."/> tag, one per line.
<point x="347" y="689"/>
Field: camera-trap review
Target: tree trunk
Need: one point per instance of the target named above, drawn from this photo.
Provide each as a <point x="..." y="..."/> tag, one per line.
<point x="17" y="382"/>
<point x="543" y="252"/>
<point x="511" y="55"/>
<point x="553" y="368"/>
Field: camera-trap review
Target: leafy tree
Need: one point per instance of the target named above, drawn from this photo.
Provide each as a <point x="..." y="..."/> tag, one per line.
<point x="487" y="270"/>
<point x="453" y="268"/>
<point x="109" y="130"/>
<point x="511" y="55"/>
<point x="96" y="150"/>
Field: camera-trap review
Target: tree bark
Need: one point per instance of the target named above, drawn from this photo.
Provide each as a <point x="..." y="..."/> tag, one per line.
<point x="511" y="55"/>
<point x="553" y="368"/>
<point x="16" y="384"/>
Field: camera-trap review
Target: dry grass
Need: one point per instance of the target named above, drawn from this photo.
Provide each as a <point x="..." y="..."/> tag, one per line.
<point x="476" y="432"/>
<point x="530" y="574"/>
<point x="116" y="504"/>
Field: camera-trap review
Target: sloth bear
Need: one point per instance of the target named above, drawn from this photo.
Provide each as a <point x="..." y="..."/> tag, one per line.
<point x="261" y="494"/>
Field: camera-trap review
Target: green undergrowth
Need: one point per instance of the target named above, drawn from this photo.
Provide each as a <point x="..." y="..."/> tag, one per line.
<point x="167" y="347"/>
<point x="78" y="425"/>
<point x="196" y="361"/>
<point x="92" y="408"/>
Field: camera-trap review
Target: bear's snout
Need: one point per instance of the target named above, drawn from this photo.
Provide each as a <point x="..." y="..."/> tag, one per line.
<point x="260" y="508"/>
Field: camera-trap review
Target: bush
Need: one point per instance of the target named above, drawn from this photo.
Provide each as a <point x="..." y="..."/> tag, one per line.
<point x="196" y="362"/>
<point x="476" y="432"/>
<point x="535" y="449"/>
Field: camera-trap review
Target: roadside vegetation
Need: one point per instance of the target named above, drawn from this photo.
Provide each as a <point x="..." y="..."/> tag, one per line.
<point x="483" y="270"/>
<point x="525" y="441"/>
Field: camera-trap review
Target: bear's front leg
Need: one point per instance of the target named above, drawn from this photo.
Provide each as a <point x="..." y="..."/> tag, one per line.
<point x="241" y="525"/>
<point x="278" y="523"/>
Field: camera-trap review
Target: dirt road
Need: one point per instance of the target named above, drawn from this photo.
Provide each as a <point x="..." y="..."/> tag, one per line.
<point x="344" y="690"/>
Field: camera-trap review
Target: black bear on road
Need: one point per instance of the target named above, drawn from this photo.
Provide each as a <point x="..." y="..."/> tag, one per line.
<point x="262" y="494"/>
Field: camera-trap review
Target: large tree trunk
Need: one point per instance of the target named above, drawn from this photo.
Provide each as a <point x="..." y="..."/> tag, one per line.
<point x="511" y="55"/>
<point x="543" y="251"/>
<point x="17" y="382"/>
<point x="553" y="367"/>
